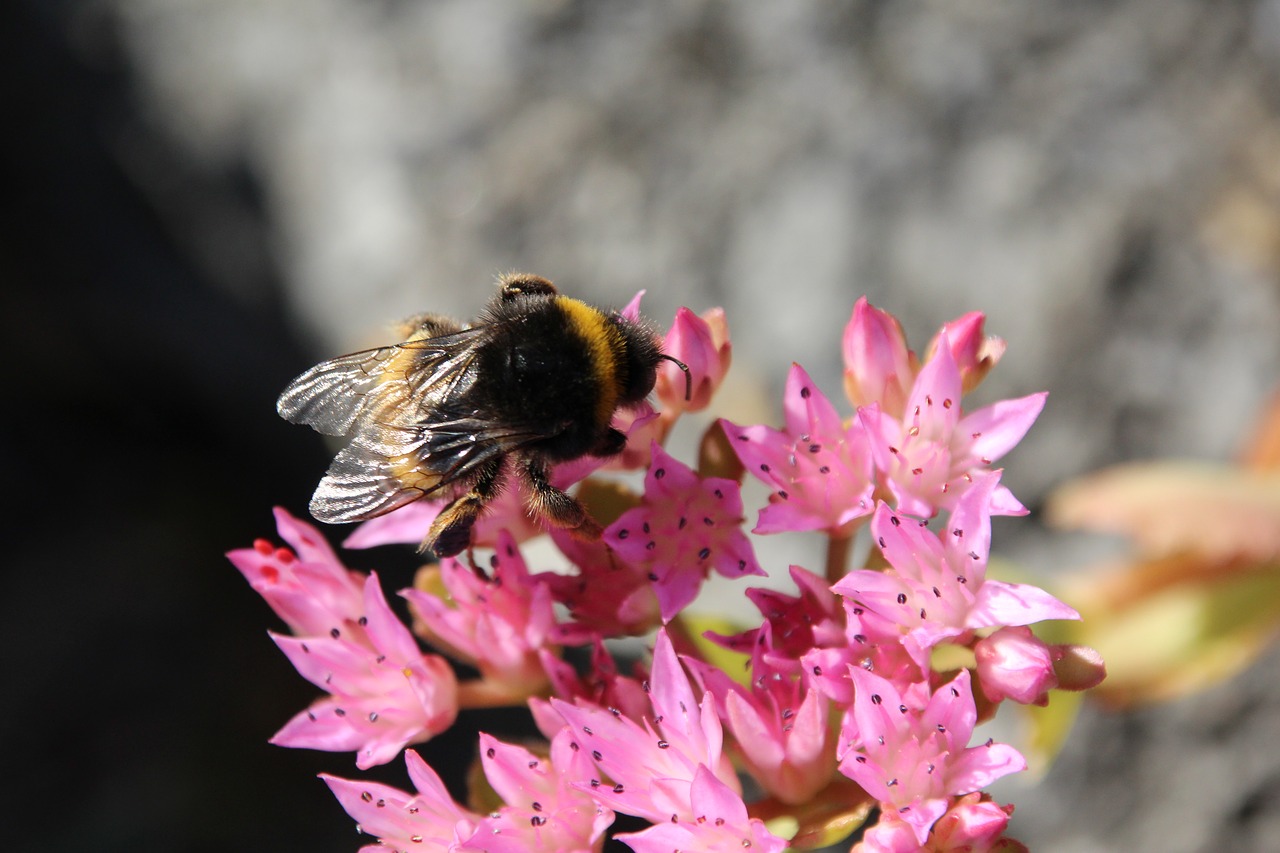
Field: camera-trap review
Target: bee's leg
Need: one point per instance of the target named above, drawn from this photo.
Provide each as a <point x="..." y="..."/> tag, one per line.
<point x="555" y="505"/>
<point x="450" y="533"/>
<point x="610" y="443"/>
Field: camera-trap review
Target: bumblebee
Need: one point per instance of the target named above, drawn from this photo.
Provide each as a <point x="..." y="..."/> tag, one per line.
<point x="455" y="410"/>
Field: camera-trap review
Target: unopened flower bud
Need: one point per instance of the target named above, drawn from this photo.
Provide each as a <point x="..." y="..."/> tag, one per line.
<point x="1014" y="663"/>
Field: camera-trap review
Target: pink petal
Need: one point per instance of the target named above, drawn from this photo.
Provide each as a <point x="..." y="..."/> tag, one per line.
<point x="979" y="766"/>
<point x="406" y="525"/>
<point x="968" y="535"/>
<point x="388" y="633"/>
<point x="319" y="727"/>
<point x="909" y="545"/>
<point x="304" y="539"/>
<point x="514" y="773"/>
<point x="675" y="591"/>
<point x="330" y="664"/>
<point x="754" y="736"/>
<point x="883" y="432"/>
<point x="996" y="429"/>
<point x="879" y="591"/>
<point x="632" y="310"/>
<point x="951" y="711"/>
<point x="427" y="782"/>
<point x="1001" y="603"/>
<point x="875" y="708"/>
<point x="669" y="688"/>
<point x="935" y="397"/>
<point x="923" y="815"/>
<point x="1004" y="503"/>
<point x="709" y="796"/>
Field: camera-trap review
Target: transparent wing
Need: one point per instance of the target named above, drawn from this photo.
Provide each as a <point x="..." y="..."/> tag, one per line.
<point x="336" y="396"/>
<point x="389" y="465"/>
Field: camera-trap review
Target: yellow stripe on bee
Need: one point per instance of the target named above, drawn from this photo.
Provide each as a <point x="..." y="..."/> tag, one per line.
<point x="604" y="342"/>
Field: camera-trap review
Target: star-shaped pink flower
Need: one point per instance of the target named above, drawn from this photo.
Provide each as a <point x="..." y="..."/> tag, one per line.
<point x="931" y="454"/>
<point x="686" y="526"/>
<point x="819" y="468"/>
<point x="383" y="691"/>
<point x="913" y="761"/>
<point x="938" y="587"/>
<point x="651" y="764"/>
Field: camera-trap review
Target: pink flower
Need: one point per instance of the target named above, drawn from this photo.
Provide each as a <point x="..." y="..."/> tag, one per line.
<point x="820" y="469"/>
<point x="496" y="623"/>
<point x="427" y="821"/>
<point x="780" y="726"/>
<point x="720" y="823"/>
<point x="970" y="826"/>
<point x="914" y="761"/>
<point x="878" y="367"/>
<point x="1014" y="663"/>
<point x="938" y="587"/>
<point x="383" y="692"/>
<point x="651" y="765"/>
<point x="310" y="589"/>
<point x="686" y="526"/>
<point x="973" y="352"/>
<point x="931" y="454"/>
<point x="544" y="810"/>
<point x="702" y="343"/>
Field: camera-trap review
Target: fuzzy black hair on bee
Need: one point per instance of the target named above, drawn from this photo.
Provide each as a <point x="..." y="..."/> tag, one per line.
<point x="456" y="410"/>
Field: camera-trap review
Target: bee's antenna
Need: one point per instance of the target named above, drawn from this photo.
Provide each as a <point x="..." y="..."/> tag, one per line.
<point x="688" y="377"/>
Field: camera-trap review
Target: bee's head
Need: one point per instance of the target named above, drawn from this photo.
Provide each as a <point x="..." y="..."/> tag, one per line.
<point x="642" y="353"/>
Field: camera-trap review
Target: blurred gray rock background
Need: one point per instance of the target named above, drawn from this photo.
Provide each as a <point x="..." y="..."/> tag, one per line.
<point x="1101" y="178"/>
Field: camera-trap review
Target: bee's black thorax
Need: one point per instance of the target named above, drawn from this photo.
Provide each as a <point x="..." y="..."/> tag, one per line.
<point x="556" y="367"/>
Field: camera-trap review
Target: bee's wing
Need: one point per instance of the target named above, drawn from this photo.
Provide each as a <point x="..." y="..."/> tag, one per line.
<point x="389" y="465"/>
<point x="336" y="395"/>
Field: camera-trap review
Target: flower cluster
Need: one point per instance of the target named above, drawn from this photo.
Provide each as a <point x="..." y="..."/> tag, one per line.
<point x="841" y="715"/>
